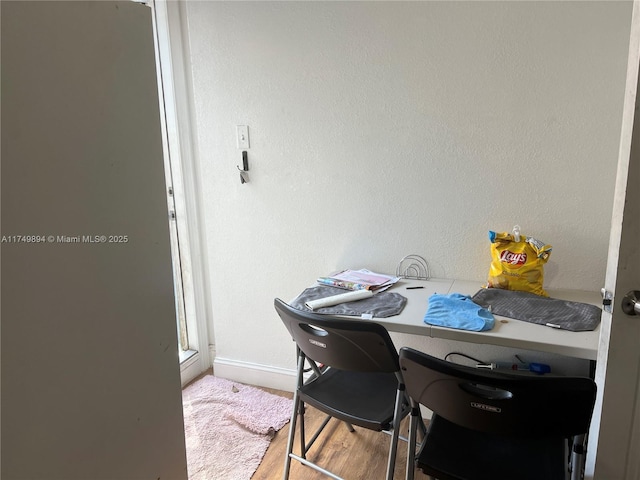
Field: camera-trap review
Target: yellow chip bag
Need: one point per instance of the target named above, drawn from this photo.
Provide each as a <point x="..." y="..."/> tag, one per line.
<point x="517" y="262"/>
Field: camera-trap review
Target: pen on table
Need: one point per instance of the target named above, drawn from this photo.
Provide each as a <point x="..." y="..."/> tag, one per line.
<point x="552" y="325"/>
<point x="413" y="288"/>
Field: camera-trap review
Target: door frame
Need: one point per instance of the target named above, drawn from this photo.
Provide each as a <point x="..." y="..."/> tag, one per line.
<point x="614" y="438"/>
<point x="173" y="83"/>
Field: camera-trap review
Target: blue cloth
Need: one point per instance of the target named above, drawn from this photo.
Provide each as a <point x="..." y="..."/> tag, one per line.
<point x="458" y="311"/>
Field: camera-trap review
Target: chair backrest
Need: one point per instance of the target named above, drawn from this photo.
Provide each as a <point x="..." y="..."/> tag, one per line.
<point x="354" y="345"/>
<point x="504" y="403"/>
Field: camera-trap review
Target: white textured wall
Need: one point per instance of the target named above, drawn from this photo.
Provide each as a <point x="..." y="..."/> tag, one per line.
<point x="383" y="129"/>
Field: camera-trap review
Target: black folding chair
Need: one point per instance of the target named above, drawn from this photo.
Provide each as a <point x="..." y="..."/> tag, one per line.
<point x="354" y="377"/>
<point x="488" y="425"/>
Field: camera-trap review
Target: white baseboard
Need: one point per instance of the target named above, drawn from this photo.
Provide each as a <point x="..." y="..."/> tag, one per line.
<point x="255" y="374"/>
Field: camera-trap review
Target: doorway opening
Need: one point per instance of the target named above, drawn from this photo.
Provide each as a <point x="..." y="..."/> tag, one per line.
<point x="191" y="326"/>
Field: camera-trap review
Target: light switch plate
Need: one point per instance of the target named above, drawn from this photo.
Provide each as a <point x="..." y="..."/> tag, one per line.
<point x="242" y="136"/>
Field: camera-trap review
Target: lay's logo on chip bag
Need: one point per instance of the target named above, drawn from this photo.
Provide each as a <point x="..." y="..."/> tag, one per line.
<point x="512" y="258"/>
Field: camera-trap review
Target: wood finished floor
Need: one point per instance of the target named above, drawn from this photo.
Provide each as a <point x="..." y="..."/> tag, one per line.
<point x="359" y="455"/>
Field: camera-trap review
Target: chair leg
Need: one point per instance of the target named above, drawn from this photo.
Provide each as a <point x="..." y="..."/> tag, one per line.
<point x="292" y="433"/>
<point x="298" y="408"/>
<point x="393" y="449"/>
<point x="577" y="456"/>
<point x="350" y="427"/>
<point x="414" y="420"/>
<point x="303" y="438"/>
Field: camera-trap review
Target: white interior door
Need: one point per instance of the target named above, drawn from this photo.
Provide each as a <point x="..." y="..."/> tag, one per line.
<point x="90" y="378"/>
<point x="616" y="426"/>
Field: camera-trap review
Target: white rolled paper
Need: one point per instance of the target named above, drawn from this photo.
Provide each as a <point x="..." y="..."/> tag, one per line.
<point x="336" y="299"/>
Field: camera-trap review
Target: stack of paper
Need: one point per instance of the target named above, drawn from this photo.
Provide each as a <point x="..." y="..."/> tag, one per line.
<point x="359" y="280"/>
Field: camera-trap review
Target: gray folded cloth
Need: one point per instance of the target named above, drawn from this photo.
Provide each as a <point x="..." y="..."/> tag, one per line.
<point x="381" y="305"/>
<point x="529" y="307"/>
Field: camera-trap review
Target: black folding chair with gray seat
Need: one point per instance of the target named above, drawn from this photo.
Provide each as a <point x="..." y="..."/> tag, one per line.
<point x="489" y="425"/>
<point x="355" y="377"/>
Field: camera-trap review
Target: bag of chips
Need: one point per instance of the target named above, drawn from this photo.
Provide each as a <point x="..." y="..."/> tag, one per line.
<point x="517" y="262"/>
